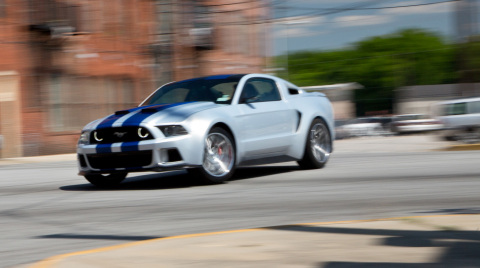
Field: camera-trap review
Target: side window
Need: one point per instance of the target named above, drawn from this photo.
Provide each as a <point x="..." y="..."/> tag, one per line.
<point x="474" y="107"/>
<point x="260" y="90"/>
<point x="457" y="108"/>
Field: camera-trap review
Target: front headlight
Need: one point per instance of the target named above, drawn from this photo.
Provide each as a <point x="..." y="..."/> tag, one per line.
<point x="173" y="130"/>
<point x="84" y="137"/>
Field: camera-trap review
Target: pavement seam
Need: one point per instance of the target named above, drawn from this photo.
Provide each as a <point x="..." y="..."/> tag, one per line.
<point x="51" y="261"/>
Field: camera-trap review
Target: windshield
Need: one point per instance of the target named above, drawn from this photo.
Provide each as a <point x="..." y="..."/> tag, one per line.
<point x="217" y="89"/>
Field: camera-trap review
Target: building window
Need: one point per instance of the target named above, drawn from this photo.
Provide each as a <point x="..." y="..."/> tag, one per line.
<point x="33" y="85"/>
<point x="53" y="14"/>
<point x="74" y="101"/>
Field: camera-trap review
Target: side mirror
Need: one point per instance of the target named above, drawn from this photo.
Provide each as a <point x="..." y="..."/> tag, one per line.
<point x="243" y="100"/>
<point x="247" y="99"/>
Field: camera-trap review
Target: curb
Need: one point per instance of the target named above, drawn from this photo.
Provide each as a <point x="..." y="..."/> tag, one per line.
<point x="53" y="260"/>
<point x="462" y="147"/>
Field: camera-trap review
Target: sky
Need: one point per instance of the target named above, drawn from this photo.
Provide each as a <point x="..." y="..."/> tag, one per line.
<point x="305" y="26"/>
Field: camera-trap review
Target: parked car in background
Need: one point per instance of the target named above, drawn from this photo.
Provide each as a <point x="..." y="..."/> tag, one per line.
<point x="340" y="132"/>
<point x="209" y="126"/>
<point x="461" y="119"/>
<point x="414" y="123"/>
<point x="361" y="127"/>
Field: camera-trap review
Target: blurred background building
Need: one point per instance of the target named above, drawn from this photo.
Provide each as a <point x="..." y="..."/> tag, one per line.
<point x="64" y="63"/>
<point x="421" y="99"/>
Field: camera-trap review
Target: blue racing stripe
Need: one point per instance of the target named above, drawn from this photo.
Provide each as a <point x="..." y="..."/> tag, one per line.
<point x="106" y="123"/>
<point x="224" y="76"/>
<point x="131" y="146"/>
<point x="134" y="120"/>
<point x="138" y="118"/>
<point x="110" y="120"/>
<point x="103" y="148"/>
<point x="188" y="80"/>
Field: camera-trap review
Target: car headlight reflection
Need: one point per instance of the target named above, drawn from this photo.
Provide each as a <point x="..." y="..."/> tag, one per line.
<point x="97" y="136"/>
<point x="84" y="137"/>
<point x="142" y="132"/>
<point x="173" y="130"/>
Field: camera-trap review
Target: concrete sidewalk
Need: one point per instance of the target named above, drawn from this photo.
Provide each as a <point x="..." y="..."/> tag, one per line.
<point x="423" y="241"/>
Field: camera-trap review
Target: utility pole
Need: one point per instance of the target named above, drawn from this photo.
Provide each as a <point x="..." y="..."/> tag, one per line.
<point x="467" y="34"/>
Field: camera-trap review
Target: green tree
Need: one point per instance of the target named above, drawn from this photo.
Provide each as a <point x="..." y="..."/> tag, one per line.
<point x="381" y="64"/>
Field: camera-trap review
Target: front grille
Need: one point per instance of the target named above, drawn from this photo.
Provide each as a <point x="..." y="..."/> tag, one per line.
<point x="120" y="160"/>
<point x="119" y="134"/>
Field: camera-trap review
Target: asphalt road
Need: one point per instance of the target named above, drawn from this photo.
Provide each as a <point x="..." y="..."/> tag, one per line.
<point x="45" y="209"/>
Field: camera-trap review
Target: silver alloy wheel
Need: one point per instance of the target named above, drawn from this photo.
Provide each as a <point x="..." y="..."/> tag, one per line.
<point x="218" y="157"/>
<point x="320" y="142"/>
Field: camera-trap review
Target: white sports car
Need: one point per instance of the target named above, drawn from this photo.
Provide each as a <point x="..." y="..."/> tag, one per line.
<point x="209" y="126"/>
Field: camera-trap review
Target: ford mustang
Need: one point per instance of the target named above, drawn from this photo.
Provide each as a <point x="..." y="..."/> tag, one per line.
<point x="209" y="126"/>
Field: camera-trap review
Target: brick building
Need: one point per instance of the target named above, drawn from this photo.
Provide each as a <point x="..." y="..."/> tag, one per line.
<point x="64" y="63"/>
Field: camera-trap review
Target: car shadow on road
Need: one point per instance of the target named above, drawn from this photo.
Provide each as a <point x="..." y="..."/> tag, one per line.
<point x="456" y="211"/>
<point x="457" y="248"/>
<point x="251" y="172"/>
<point x="98" y="237"/>
<point x="179" y="179"/>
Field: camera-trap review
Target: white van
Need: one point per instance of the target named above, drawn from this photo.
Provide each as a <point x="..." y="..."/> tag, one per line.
<point x="461" y="119"/>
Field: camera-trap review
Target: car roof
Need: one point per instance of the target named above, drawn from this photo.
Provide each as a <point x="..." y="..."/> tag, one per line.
<point x="214" y="77"/>
<point x="460" y="100"/>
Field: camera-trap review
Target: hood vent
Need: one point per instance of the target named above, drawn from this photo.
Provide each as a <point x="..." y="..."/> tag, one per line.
<point x="123" y="112"/>
<point x="149" y="110"/>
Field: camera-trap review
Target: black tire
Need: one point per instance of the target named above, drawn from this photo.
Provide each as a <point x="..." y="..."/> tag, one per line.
<point x="106" y="181"/>
<point x="318" y="146"/>
<point x="219" y="158"/>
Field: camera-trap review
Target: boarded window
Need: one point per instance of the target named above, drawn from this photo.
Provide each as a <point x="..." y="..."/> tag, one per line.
<point x="72" y="102"/>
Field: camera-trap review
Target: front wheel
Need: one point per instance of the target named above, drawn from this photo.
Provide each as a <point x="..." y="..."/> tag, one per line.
<point x="318" y="146"/>
<point x="106" y="180"/>
<point x="218" y="157"/>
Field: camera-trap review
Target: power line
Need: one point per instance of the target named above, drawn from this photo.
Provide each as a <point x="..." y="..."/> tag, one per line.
<point x="230" y="4"/>
<point x="338" y="10"/>
<point x="323" y="11"/>
<point x="332" y="11"/>
<point x="256" y="6"/>
<point x="370" y="8"/>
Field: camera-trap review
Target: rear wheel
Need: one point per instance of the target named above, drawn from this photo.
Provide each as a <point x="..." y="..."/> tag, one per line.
<point x="218" y="157"/>
<point x="106" y="180"/>
<point x="318" y="146"/>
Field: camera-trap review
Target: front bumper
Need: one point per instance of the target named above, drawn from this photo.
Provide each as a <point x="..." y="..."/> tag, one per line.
<point x="150" y="155"/>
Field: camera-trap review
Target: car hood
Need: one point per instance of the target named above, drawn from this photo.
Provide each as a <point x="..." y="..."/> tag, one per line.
<point x="151" y="114"/>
